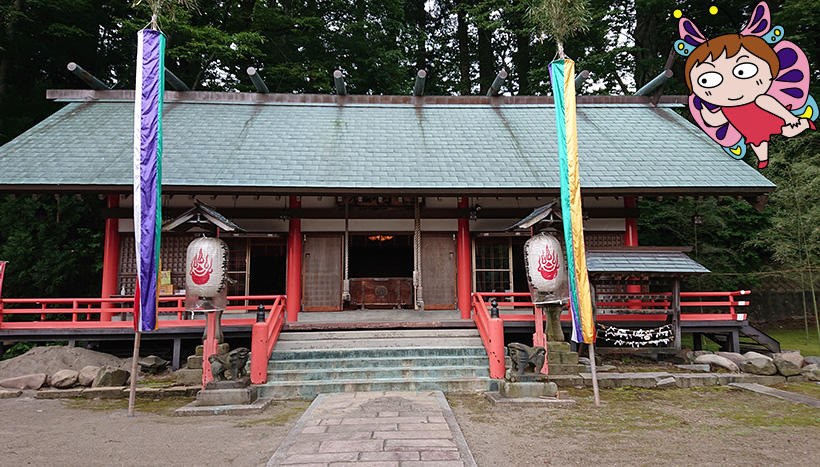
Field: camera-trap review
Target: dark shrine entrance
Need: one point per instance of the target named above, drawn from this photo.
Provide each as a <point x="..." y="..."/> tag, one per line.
<point x="381" y="270"/>
<point x="267" y="267"/>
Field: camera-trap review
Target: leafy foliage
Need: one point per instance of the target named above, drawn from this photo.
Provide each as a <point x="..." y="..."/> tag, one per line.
<point x="561" y="19"/>
<point x="53" y="245"/>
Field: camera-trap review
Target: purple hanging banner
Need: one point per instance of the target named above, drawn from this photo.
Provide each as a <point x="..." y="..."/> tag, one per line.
<point x="150" y="87"/>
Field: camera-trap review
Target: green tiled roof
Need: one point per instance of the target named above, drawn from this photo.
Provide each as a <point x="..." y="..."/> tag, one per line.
<point x="642" y="261"/>
<point x="361" y="146"/>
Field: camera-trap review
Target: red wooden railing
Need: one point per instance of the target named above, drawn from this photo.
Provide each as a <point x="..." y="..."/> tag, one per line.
<point x="84" y="313"/>
<point x="492" y="329"/>
<point x="263" y="338"/>
<point x="492" y="335"/>
<point x="641" y="310"/>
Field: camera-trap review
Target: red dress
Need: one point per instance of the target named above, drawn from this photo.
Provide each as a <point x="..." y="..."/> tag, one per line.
<point x="754" y="123"/>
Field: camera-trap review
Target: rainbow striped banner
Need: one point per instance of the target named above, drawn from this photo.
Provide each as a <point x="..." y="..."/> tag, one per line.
<point x="562" y="75"/>
<point x="148" y="96"/>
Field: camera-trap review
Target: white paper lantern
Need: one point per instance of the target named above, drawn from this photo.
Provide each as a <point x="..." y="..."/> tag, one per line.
<point x="207" y="260"/>
<point x="546" y="270"/>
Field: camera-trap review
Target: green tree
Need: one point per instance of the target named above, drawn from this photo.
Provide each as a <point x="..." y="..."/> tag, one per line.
<point x="53" y="245"/>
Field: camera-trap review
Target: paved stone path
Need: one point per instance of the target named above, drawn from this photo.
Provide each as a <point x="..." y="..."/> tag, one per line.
<point x="398" y="429"/>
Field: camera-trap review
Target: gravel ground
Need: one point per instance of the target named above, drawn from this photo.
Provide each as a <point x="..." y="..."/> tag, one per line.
<point x="644" y="427"/>
<point x="635" y="427"/>
<point x="82" y="432"/>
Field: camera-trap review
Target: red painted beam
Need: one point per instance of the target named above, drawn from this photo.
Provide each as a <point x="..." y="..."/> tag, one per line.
<point x="463" y="263"/>
<point x="294" y="275"/>
<point x="111" y="257"/>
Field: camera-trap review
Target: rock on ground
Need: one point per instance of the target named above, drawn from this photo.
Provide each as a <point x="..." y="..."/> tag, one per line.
<point x="812" y="372"/>
<point x="52" y="359"/>
<point x="63" y="379"/>
<point x="109" y="376"/>
<point x="788" y="363"/>
<point x="812" y="360"/>
<point x="718" y="361"/>
<point x="751" y="355"/>
<point x="87" y="375"/>
<point x="759" y="366"/>
<point x="733" y="356"/>
<point x="152" y="364"/>
<point x="32" y="381"/>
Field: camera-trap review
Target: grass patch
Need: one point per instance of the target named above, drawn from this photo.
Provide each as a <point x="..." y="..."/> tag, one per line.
<point x="158" y="407"/>
<point x="795" y="339"/>
<point x="687" y="342"/>
<point x="284" y="414"/>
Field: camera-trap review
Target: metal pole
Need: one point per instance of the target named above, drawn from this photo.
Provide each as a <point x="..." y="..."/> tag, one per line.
<point x="338" y="78"/>
<point x="655" y="83"/>
<point x="497" y="83"/>
<point x="257" y="80"/>
<point x="87" y="77"/>
<point x="132" y="394"/>
<point x="418" y="89"/>
<point x="579" y="80"/>
<point x="175" y="82"/>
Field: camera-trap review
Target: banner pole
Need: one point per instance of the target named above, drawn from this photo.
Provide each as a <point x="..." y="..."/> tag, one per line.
<point x="595" y="392"/>
<point x="132" y="394"/>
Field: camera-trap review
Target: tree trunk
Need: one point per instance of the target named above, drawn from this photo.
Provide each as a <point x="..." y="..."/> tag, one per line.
<point x="648" y="47"/>
<point x="464" y="63"/>
<point x="486" y="64"/>
<point x="5" y="62"/>
<point x="522" y="62"/>
<point x="419" y="16"/>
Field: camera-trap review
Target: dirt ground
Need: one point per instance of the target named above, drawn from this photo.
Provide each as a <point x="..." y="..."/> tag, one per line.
<point x="82" y="432"/>
<point x="645" y="427"/>
<point x="636" y="427"/>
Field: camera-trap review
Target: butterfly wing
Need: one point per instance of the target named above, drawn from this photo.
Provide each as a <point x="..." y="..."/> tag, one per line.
<point x="760" y="22"/>
<point x="791" y="86"/>
<point x="725" y="135"/>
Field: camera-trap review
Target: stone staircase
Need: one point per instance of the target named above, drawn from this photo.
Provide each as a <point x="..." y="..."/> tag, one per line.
<point x="304" y="364"/>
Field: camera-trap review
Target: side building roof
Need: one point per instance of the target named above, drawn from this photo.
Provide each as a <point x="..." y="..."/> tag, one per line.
<point x="265" y="144"/>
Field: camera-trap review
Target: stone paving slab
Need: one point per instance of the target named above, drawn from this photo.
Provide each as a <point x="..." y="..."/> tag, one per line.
<point x="497" y="399"/>
<point x="256" y="407"/>
<point x="414" y="428"/>
<point x="779" y="393"/>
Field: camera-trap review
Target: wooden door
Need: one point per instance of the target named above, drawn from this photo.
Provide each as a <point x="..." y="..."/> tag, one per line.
<point x="438" y="271"/>
<point x="322" y="273"/>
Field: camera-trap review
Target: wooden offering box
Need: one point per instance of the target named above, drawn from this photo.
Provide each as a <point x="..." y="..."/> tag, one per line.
<point x="381" y="292"/>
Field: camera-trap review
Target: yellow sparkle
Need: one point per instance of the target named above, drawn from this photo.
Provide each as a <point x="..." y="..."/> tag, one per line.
<point x="713" y="10"/>
<point x="777" y="32"/>
<point x="677" y="13"/>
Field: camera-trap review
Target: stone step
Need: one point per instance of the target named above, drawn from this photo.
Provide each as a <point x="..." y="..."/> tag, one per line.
<point x="377" y="334"/>
<point x="378" y="343"/>
<point x="395" y="362"/>
<point x="358" y="353"/>
<point x="309" y="389"/>
<point x="377" y="373"/>
<point x="566" y="369"/>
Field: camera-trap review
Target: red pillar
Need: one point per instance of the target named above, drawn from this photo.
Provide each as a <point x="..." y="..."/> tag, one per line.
<point x="631" y="234"/>
<point x="294" y="280"/>
<point x="631" y="239"/>
<point x="111" y="258"/>
<point x="463" y="263"/>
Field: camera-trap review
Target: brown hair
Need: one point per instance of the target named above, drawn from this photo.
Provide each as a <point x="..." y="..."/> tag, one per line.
<point x="731" y="44"/>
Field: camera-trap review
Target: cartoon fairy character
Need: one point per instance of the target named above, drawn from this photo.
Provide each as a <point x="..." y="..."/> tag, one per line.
<point x="744" y="91"/>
